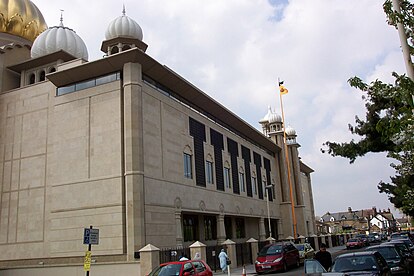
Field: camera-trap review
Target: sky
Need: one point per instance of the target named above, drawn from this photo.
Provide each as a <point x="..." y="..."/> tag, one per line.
<point x="236" y="50"/>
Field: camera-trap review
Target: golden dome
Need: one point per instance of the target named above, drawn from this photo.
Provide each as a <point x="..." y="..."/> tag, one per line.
<point x="21" y="18"/>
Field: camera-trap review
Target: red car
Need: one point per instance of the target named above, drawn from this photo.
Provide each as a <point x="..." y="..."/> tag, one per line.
<point x="277" y="256"/>
<point x="184" y="268"/>
<point x="354" y="243"/>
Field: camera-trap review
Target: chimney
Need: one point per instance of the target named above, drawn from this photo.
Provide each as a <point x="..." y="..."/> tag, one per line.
<point x="375" y="210"/>
<point x="349" y="209"/>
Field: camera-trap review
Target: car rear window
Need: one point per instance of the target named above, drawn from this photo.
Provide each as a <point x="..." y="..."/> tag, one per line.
<point x="355" y="263"/>
<point x="271" y="250"/>
<point x="389" y="253"/>
<point x="167" y="270"/>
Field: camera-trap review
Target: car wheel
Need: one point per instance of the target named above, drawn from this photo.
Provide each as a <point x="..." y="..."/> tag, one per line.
<point x="285" y="267"/>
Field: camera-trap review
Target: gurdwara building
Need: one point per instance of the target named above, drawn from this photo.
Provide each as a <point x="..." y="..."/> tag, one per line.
<point x="128" y="146"/>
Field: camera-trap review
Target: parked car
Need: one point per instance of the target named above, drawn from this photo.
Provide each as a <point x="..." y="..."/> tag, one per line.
<point x="374" y="237"/>
<point x="183" y="268"/>
<point x="364" y="238"/>
<point x="306" y="251"/>
<point x="398" y="263"/>
<point x="361" y="263"/>
<point x="312" y="267"/>
<point x="405" y="251"/>
<point x="354" y="243"/>
<point x="402" y="235"/>
<point x="277" y="256"/>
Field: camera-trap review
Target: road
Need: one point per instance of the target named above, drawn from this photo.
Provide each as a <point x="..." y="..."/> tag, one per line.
<point x="299" y="270"/>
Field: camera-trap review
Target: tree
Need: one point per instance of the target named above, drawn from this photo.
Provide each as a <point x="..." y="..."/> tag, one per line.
<point x="388" y="125"/>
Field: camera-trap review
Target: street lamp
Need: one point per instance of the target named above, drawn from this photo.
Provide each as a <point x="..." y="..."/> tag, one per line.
<point x="267" y="187"/>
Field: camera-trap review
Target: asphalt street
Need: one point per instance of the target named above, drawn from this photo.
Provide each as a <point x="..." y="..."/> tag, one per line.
<point x="250" y="270"/>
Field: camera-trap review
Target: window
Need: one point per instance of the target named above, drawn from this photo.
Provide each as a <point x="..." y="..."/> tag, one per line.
<point x="209" y="172"/>
<point x="227" y="178"/>
<point x="32" y="78"/>
<point x="88" y="83"/>
<point x="190" y="228"/>
<point x="254" y="185"/>
<point x="114" y="50"/>
<point x="210" y="228"/>
<point x="187" y="166"/>
<point x="228" y="227"/>
<point x="42" y="76"/>
<point x="241" y="182"/>
<point x="240" y="230"/>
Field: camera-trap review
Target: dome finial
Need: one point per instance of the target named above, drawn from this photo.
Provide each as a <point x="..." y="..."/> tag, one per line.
<point x="123" y="9"/>
<point x="61" y="18"/>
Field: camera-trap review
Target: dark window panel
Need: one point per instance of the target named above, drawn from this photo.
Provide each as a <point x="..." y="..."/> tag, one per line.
<point x="217" y="141"/>
<point x="234" y="153"/>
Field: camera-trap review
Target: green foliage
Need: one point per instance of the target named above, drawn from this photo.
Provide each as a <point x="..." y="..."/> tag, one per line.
<point x="388" y="125"/>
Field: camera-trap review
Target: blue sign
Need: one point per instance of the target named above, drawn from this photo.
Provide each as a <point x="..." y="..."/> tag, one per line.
<point x="90" y="236"/>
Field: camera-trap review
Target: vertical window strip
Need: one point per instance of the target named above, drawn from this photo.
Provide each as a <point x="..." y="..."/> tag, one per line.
<point x="254" y="185"/>
<point x="241" y="182"/>
<point x="187" y="166"/>
<point x="209" y="172"/>
<point x="227" y="183"/>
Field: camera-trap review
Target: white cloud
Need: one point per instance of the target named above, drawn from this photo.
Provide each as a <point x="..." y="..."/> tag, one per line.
<point x="235" y="50"/>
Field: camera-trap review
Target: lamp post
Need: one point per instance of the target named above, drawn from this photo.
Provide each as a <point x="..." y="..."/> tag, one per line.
<point x="267" y="187"/>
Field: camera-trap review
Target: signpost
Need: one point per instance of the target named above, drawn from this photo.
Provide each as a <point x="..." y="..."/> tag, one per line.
<point x="90" y="236"/>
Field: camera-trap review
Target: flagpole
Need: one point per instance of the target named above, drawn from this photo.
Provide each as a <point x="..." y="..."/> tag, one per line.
<point x="292" y="203"/>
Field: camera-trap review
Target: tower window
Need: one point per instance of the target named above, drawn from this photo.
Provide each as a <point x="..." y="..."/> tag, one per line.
<point x="114" y="50"/>
<point x="42" y="76"/>
<point x="126" y="47"/>
<point x="32" y="78"/>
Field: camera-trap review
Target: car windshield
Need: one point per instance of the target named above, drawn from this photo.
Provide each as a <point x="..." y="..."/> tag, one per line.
<point x="271" y="250"/>
<point x="167" y="270"/>
<point x="389" y="253"/>
<point x="354" y="263"/>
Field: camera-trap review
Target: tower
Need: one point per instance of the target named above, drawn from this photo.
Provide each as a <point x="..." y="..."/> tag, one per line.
<point x="122" y="34"/>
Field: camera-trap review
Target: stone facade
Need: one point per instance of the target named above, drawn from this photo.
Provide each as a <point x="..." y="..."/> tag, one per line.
<point x="109" y="154"/>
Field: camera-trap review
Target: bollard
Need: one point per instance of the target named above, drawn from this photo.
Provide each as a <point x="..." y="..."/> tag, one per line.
<point x="244" y="271"/>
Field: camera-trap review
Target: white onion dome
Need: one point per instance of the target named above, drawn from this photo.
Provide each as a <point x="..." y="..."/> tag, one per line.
<point x="290" y="131"/>
<point x="265" y="119"/>
<point x="123" y="26"/>
<point x="59" y="38"/>
<point x="275" y="118"/>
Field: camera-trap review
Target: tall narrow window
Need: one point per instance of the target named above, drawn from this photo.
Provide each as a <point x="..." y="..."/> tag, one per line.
<point x="190" y="228"/>
<point x="227" y="183"/>
<point x="254" y="185"/>
<point x="240" y="230"/>
<point x="32" y="78"/>
<point x="42" y="76"/>
<point x="187" y="166"/>
<point x="228" y="227"/>
<point x="210" y="228"/>
<point x="209" y="172"/>
<point x="241" y="182"/>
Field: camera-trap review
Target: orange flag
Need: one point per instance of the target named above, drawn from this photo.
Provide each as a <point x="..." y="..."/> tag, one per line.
<point x="283" y="90"/>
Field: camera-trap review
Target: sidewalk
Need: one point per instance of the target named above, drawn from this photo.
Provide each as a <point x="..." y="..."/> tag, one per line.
<point x="250" y="270"/>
